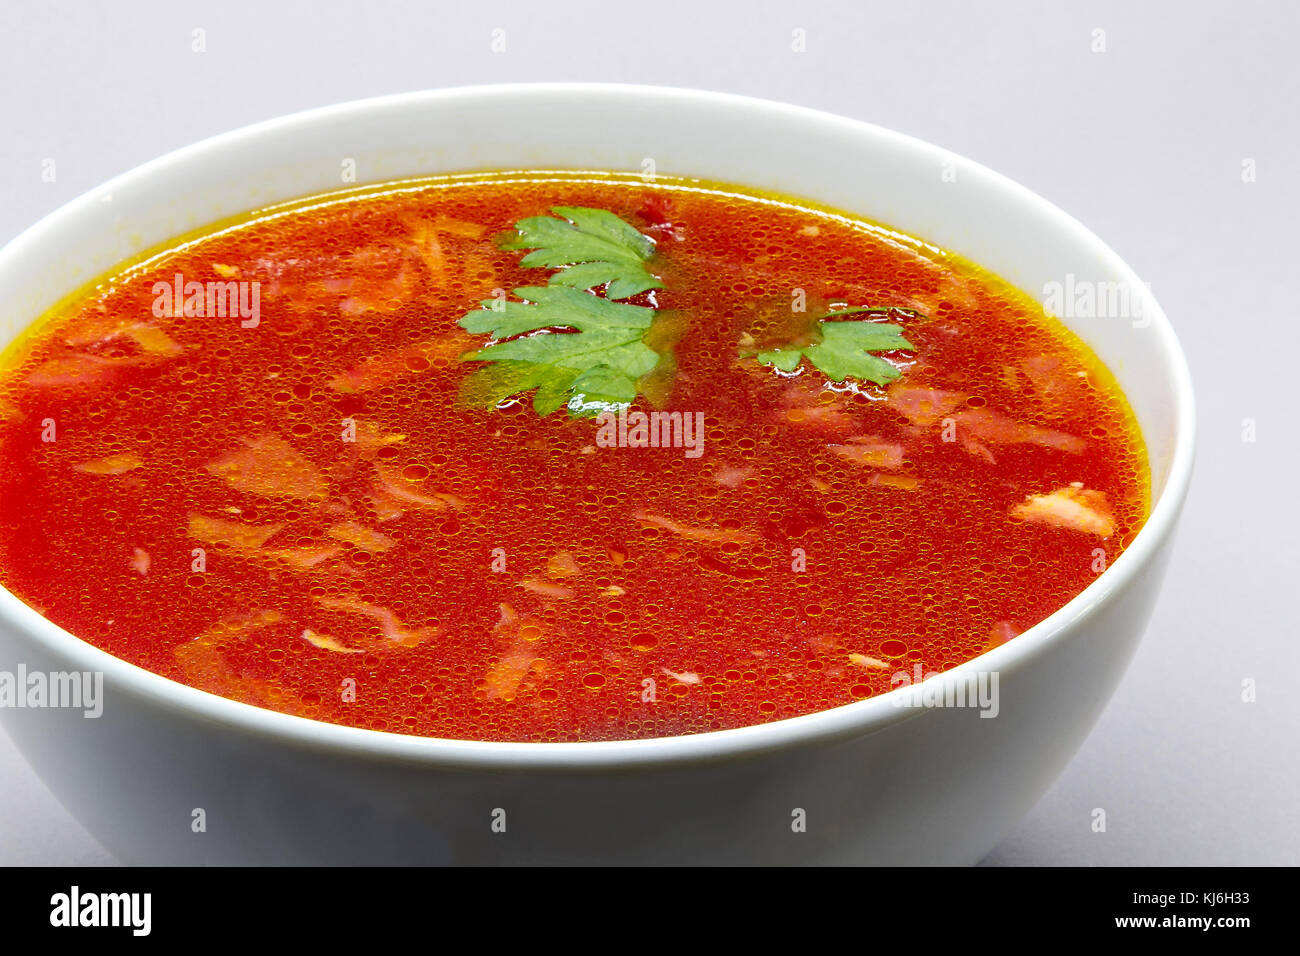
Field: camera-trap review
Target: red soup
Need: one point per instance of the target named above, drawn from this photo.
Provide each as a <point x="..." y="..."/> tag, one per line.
<point x="560" y="457"/>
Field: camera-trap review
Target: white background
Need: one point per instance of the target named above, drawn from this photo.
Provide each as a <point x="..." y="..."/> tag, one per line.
<point x="1144" y="142"/>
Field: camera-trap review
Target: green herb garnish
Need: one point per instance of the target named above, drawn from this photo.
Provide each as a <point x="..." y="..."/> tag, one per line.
<point x="571" y="346"/>
<point x="843" y="349"/>
<point x="563" y="342"/>
<point x="593" y="368"/>
<point x="594" y="248"/>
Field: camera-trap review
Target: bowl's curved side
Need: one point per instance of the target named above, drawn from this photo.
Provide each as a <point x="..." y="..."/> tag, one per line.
<point x="887" y="784"/>
<point x="942" y="786"/>
<point x="937" y="785"/>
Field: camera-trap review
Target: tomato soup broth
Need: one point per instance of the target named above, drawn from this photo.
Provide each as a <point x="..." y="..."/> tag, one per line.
<point x="276" y="486"/>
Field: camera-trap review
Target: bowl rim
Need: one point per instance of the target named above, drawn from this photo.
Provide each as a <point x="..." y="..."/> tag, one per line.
<point x="847" y="720"/>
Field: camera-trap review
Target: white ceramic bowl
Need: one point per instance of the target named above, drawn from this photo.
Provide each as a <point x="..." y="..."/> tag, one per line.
<point x="878" y="783"/>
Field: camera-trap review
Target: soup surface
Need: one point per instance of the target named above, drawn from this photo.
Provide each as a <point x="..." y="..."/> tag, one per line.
<point x="259" y="462"/>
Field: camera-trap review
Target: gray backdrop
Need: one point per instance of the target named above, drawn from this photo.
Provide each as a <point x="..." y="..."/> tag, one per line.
<point x="1145" y="142"/>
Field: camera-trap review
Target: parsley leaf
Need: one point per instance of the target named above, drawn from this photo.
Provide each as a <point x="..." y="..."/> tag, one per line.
<point x="592" y="368"/>
<point x="841" y="349"/>
<point x="593" y="247"/>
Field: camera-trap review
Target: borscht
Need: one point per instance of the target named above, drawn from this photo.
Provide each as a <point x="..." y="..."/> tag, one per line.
<point x="556" y="456"/>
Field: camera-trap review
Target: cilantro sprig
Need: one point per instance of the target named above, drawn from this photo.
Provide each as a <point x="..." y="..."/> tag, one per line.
<point x="593" y="246"/>
<point x="842" y="349"/>
<point x="561" y="341"/>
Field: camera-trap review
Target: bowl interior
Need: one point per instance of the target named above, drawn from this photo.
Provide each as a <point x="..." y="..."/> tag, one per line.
<point x="883" y="176"/>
